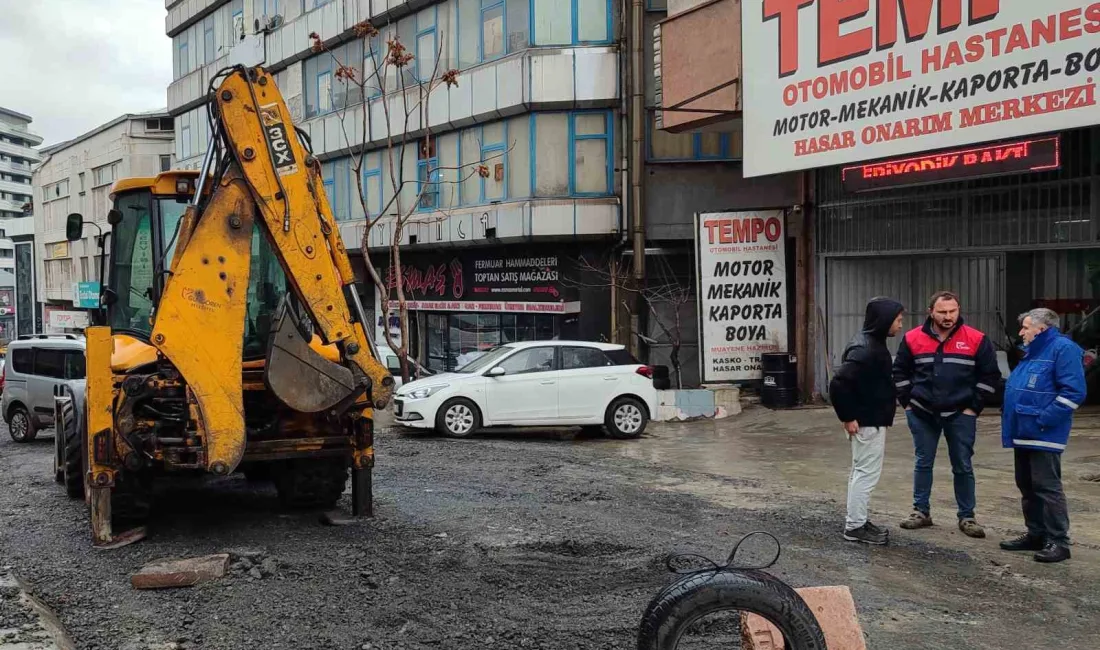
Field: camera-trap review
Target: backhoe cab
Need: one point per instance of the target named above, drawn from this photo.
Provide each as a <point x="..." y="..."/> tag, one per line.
<point x="230" y="335"/>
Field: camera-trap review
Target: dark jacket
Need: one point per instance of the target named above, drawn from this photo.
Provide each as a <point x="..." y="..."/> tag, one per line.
<point x="1042" y="394"/>
<point x="944" y="377"/>
<point x="862" y="389"/>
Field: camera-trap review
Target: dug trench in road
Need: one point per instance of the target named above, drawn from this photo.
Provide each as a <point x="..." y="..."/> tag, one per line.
<point x="548" y="540"/>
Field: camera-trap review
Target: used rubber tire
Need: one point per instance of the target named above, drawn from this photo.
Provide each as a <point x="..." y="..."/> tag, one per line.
<point x="257" y="473"/>
<point x="626" y="418"/>
<point x="458" y="418"/>
<point x="21" y="426"/>
<point x="311" y="482"/>
<point x="677" y="607"/>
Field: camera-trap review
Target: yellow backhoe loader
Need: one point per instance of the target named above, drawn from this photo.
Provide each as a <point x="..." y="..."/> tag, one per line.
<point x="230" y="335"/>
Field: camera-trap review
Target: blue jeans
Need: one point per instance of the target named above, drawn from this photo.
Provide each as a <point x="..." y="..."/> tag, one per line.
<point x="960" y="430"/>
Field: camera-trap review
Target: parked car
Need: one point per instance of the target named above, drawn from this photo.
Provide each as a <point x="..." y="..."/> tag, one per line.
<point x="393" y="363"/>
<point x="543" y="383"/>
<point x="37" y="368"/>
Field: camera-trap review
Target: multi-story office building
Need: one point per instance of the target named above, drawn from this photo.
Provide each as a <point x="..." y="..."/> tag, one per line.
<point x="523" y="174"/>
<point x="76" y="176"/>
<point x="17" y="156"/>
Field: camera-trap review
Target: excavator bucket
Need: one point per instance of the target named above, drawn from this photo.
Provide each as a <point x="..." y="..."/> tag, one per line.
<point x="298" y="375"/>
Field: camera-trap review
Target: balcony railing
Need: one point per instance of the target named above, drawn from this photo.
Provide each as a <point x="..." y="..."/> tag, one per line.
<point x="21" y="131"/>
<point x="18" y="150"/>
<point x="15" y="168"/>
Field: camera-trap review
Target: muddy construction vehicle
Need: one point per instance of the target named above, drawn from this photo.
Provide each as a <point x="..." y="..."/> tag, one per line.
<point x="230" y="336"/>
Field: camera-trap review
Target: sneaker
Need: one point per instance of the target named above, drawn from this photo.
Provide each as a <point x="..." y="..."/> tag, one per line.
<point x="866" y="535"/>
<point x="1052" y="553"/>
<point x="1024" y="542"/>
<point x="917" y="520"/>
<point x="971" y="528"/>
<point x="877" y="529"/>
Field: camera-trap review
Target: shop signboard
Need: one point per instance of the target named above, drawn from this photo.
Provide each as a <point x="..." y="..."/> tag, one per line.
<point x="828" y="82"/>
<point x="61" y="321"/>
<point x="7" y="301"/>
<point x="86" y="295"/>
<point x="742" y="292"/>
<point x="485" y="277"/>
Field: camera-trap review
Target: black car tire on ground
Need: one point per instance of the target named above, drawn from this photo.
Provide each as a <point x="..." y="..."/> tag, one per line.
<point x="458" y="418"/>
<point x="21" y="426"/>
<point x="677" y="607"/>
<point x="626" y="418"/>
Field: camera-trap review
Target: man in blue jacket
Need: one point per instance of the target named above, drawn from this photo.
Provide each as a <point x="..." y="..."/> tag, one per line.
<point x="1040" y="397"/>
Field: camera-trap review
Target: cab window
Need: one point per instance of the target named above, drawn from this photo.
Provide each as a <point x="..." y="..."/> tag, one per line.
<point x="132" y="267"/>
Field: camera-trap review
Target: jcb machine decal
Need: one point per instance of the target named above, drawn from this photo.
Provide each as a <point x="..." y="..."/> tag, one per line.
<point x="276" y="134"/>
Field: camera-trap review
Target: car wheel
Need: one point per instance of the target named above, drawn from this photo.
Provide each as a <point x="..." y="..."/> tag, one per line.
<point x="626" y="418"/>
<point x="21" y="428"/>
<point x="458" y="418"/>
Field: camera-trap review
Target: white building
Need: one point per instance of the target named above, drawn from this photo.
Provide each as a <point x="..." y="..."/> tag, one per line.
<point x="16" y="160"/>
<point x="537" y="102"/>
<point x="76" y="176"/>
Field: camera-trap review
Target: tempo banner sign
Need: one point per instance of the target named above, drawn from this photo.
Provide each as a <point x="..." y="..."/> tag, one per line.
<point x="831" y="82"/>
<point x="742" y="291"/>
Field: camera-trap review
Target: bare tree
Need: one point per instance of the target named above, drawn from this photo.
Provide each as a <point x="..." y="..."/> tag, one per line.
<point x="664" y="298"/>
<point x="386" y="75"/>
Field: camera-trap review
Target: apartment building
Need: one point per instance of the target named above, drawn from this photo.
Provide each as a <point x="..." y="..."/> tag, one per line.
<point x="537" y="109"/>
<point x="76" y="176"/>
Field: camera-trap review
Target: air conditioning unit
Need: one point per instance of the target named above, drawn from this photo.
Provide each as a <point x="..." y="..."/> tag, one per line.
<point x="268" y="23"/>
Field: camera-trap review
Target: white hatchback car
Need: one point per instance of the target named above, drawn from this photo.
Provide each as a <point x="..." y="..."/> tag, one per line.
<point x="539" y="383"/>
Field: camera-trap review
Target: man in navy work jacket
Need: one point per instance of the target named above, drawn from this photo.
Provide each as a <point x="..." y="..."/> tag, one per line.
<point x="1040" y="398"/>
<point x="942" y="371"/>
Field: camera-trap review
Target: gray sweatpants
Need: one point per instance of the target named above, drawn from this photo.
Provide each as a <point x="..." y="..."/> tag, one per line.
<point x="868" y="450"/>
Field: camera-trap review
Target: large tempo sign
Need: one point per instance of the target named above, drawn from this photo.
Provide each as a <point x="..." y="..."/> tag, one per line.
<point x="829" y="82"/>
<point x="742" y="291"/>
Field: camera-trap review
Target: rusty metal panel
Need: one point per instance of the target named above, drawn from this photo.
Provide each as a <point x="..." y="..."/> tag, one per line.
<point x="851" y="282"/>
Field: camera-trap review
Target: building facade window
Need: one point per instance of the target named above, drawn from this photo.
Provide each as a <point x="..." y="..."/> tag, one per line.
<point x="165" y="162"/>
<point x="663" y="146"/>
<point x="590" y="165"/>
<point x="105" y="174"/>
<point x="209" y="47"/>
<point x="324" y="92"/>
<point x="427" y="175"/>
<point x="494" y="155"/>
<point x="427" y="45"/>
<point x="372" y="183"/>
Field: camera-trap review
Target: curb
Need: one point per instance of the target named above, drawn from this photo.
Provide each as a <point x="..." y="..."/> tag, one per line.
<point x="51" y="634"/>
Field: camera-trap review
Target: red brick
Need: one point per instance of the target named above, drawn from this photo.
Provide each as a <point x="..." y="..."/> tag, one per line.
<point x="835" y="611"/>
<point x="188" y="572"/>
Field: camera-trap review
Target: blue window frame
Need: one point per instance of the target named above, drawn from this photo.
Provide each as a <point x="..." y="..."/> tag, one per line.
<point x="328" y="179"/>
<point x="591" y="134"/>
<point x="372" y="187"/>
<point x="209" y="46"/>
<point x="689" y="147"/>
<point x="266" y="8"/>
<point x="374" y="54"/>
<point x="493" y="35"/>
<point x="238" y="24"/>
<point x="493" y="154"/>
<point x="427" y="174"/>
<point x="579" y="22"/>
<point x="184" y="63"/>
<point x="310" y="5"/>
<point x="427" y="44"/>
<point x="324" y="92"/>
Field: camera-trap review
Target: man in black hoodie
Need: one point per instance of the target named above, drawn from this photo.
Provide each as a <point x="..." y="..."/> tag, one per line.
<point x="863" y="396"/>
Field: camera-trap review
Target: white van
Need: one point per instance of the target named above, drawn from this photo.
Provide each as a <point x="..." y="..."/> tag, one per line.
<point x="38" y="368"/>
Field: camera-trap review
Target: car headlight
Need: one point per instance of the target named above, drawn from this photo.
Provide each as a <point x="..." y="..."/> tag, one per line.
<point x="421" y="393"/>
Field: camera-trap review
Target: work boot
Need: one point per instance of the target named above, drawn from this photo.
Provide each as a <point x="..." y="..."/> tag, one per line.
<point x="1052" y="552"/>
<point x="1024" y="542"/>
<point x="971" y="528"/>
<point x="917" y="520"/>
<point x="867" y="535"/>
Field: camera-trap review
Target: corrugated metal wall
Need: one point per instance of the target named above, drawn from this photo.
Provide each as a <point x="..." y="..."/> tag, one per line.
<point x="851" y="282"/>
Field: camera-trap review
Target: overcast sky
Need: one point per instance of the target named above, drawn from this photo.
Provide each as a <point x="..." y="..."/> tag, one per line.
<point x="75" y="64"/>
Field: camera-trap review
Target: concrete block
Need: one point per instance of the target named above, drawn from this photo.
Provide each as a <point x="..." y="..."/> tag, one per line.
<point x="727" y="401"/>
<point x="188" y="572"/>
<point x="836" y="614"/>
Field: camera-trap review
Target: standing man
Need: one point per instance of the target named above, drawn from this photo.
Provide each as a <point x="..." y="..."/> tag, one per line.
<point x="863" y="397"/>
<point x="941" y="372"/>
<point x="1041" y="395"/>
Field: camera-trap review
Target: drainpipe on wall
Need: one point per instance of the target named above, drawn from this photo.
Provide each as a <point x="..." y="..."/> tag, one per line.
<point x="636" y="165"/>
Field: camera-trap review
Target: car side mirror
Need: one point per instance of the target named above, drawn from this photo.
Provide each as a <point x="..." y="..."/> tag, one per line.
<point x="74" y="227"/>
<point x="497" y="372"/>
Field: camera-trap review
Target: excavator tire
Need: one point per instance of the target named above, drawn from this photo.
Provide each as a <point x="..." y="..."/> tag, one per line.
<point x="130" y="498"/>
<point x="72" y="467"/>
<point x="311" y="482"/>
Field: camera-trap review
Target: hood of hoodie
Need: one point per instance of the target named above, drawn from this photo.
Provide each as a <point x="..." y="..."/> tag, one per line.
<point x="881" y="313"/>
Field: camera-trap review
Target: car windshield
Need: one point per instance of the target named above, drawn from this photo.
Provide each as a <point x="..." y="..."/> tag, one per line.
<point x="487" y="360"/>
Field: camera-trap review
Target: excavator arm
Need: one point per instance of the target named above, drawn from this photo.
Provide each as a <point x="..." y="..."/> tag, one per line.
<point x="267" y="177"/>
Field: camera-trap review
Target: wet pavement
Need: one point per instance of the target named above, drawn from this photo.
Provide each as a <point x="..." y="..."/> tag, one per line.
<point x="553" y="540"/>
